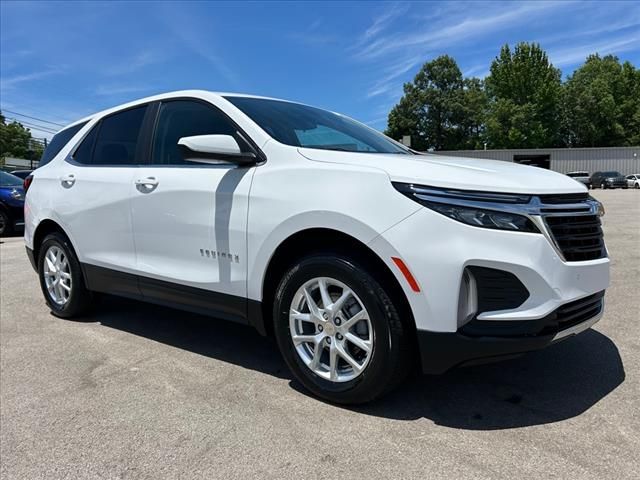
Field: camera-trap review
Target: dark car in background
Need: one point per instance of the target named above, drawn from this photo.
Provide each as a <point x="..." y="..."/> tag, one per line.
<point x="11" y="203"/>
<point x="21" y="173"/>
<point x="608" y="180"/>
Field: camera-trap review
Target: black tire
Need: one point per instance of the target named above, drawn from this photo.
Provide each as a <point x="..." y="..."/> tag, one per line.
<point x="6" y="225"/>
<point x="603" y="186"/>
<point x="391" y="352"/>
<point x="79" y="298"/>
<point x="636" y="185"/>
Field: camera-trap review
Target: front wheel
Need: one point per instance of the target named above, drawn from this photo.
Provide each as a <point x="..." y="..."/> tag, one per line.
<point x="339" y="330"/>
<point x="636" y="185"/>
<point x="603" y="186"/>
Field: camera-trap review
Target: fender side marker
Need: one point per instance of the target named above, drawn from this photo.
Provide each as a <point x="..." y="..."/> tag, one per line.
<point x="407" y="274"/>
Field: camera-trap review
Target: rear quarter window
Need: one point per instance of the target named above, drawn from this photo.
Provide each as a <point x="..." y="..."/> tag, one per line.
<point x="58" y="141"/>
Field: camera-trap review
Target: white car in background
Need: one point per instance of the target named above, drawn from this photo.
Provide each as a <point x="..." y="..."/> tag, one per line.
<point x="633" y="181"/>
<point x="362" y="257"/>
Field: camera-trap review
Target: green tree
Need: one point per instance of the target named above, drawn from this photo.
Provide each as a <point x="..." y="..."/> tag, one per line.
<point x="601" y="104"/>
<point x="16" y="141"/>
<point x="405" y="119"/>
<point x="524" y="91"/>
<point x="472" y="114"/>
<point x="438" y="109"/>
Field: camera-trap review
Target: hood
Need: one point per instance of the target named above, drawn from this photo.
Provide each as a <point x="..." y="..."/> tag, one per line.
<point x="455" y="172"/>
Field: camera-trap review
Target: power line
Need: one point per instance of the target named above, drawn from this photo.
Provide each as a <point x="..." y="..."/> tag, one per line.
<point x="33" y="118"/>
<point x="30" y="125"/>
<point x="38" y="128"/>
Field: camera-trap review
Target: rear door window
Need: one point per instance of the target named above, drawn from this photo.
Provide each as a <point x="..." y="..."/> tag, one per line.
<point x="117" y="138"/>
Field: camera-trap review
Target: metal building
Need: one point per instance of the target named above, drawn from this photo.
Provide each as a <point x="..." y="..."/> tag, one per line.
<point x="625" y="160"/>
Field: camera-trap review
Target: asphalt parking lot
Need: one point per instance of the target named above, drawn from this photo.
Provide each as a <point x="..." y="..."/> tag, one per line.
<point x="138" y="391"/>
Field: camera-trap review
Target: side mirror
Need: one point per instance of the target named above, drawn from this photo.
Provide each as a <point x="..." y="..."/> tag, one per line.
<point x="214" y="149"/>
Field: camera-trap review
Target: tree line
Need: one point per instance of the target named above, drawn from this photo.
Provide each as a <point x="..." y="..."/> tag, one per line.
<point x="522" y="103"/>
<point x="16" y="141"/>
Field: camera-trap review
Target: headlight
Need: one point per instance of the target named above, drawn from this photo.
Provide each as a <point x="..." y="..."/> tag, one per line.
<point x="478" y="209"/>
<point x="485" y="218"/>
<point x="599" y="206"/>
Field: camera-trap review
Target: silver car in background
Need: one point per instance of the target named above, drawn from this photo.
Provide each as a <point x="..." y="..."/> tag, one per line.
<point x="582" y="177"/>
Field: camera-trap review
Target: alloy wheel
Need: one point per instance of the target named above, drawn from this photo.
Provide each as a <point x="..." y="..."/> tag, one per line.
<point x="331" y="329"/>
<point x="57" y="275"/>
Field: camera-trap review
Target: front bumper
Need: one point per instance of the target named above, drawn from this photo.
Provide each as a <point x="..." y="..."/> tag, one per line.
<point x="484" y="342"/>
<point x="616" y="184"/>
<point x="437" y="250"/>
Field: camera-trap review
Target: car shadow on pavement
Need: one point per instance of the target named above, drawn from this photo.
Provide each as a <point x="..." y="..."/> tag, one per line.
<point x="554" y="384"/>
<point x="226" y="341"/>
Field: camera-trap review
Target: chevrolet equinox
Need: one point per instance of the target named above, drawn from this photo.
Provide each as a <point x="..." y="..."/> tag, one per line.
<point x="359" y="255"/>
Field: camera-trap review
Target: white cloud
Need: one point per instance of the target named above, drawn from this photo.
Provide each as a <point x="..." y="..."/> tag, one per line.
<point x="135" y="63"/>
<point x="577" y="54"/>
<point x="483" y="23"/>
<point x="381" y="22"/>
<point x="191" y="32"/>
<point x="378" y="122"/>
<point x="10" y="82"/>
<point x="480" y="71"/>
<point x="110" y="90"/>
<point x="389" y="79"/>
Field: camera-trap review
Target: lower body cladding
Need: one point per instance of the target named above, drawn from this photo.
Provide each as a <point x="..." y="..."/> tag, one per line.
<point x="488" y="294"/>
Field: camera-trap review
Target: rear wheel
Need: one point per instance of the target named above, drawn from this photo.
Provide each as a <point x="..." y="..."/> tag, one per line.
<point x="61" y="277"/>
<point x="339" y="331"/>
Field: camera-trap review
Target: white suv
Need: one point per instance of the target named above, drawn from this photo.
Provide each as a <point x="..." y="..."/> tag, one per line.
<point x="359" y="255"/>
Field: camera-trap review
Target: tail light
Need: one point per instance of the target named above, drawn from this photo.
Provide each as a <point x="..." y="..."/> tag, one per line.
<point x="27" y="183"/>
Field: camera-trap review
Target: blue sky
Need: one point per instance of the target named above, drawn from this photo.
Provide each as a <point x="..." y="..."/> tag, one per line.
<point x="62" y="61"/>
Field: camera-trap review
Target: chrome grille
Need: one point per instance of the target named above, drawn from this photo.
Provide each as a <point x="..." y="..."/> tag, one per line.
<point x="574" y="226"/>
<point x="579" y="237"/>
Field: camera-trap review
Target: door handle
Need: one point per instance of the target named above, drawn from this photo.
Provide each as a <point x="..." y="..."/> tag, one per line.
<point x="146" y="185"/>
<point x="67" y="181"/>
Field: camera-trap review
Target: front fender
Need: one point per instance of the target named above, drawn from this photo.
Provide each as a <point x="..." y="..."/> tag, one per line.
<point x="296" y="224"/>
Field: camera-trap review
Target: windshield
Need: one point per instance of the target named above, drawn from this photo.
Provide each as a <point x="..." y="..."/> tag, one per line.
<point x="309" y="127"/>
<point x="611" y="174"/>
<point x="578" y="174"/>
<point x="8" y="180"/>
